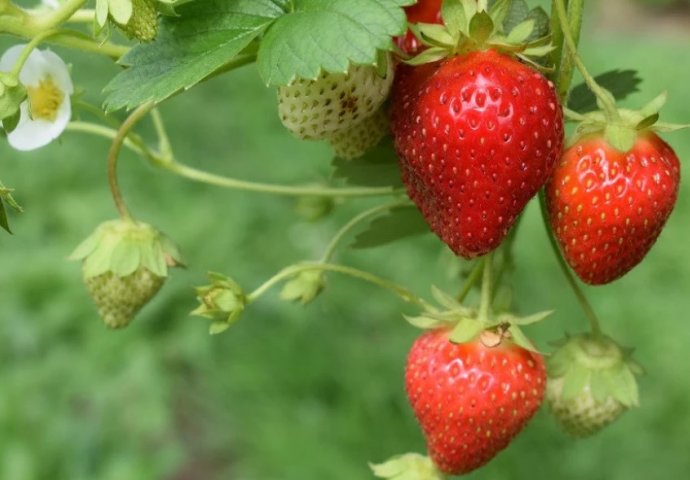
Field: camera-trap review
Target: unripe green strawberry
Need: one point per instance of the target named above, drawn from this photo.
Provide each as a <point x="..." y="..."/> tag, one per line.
<point x="591" y="382"/>
<point x="334" y="102"/>
<point x="143" y="24"/>
<point x="355" y="141"/>
<point x="124" y="264"/>
<point x="118" y="299"/>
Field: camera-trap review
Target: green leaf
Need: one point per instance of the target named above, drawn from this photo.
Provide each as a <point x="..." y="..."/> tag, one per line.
<point x="542" y="23"/>
<point x="517" y="13"/>
<point x="206" y="36"/>
<point x="376" y="168"/>
<point x="328" y="35"/>
<point x="654" y="106"/>
<point x="620" y="83"/>
<point x="399" y="223"/>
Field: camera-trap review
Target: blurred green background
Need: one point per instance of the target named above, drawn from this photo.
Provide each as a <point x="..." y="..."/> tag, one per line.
<point x="294" y="392"/>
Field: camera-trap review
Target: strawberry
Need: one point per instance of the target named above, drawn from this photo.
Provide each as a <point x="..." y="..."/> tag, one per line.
<point x="118" y="299"/>
<point x="471" y="399"/>
<point x="477" y="136"/>
<point x="608" y="207"/>
<point x="424" y="11"/>
<point x="591" y="382"/>
<point x="355" y="141"/>
<point x="143" y="24"/>
<point x="124" y="264"/>
<point x="333" y="102"/>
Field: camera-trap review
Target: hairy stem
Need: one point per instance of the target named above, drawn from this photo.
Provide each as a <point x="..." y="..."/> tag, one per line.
<point x="402" y="292"/>
<point x="227" y="182"/>
<point x="565" y="71"/>
<point x="347" y="228"/>
<point x="579" y="294"/>
<point x="487" y="289"/>
<point x="606" y="100"/>
<point x="114" y="153"/>
<point x="472" y="279"/>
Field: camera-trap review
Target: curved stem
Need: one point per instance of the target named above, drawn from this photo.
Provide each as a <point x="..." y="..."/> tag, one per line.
<point x="487" y="288"/>
<point x="85" y="15"/>
<point x="132" y="142"/>
<point x="605" y="98"/>
<point x="471" y="280"/>
<point x="220" y="181"/>
<point x="29" y="47"/>
<point x="114" y="153"/>
<point x="333" y="245"/>
<point x="56" y="17"/>
<point x="581" y="298"/>
<point x="402" y="292"/>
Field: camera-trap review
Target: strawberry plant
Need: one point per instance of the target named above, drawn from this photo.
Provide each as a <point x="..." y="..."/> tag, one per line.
<point x="449" y="117"/>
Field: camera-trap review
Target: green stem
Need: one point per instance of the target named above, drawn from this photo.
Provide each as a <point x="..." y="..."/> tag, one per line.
<point x="566" y="65"/>
<point x="472" y="279"/>
<point x="85" y="15"/>
<point x="333" y="245"/>
<point x="606" y="100"/>
<point x="55" y="18"/>
<point x="132" y="142"/>
<point x="227" y="182"/>
<point x="487" y="289"/>
<point x="581" y="298"/>
<point x="114" y="153"/>
<point x="402" y="292"/>
<point x="26" y="51"/>
<point x="556" y="40"/>
<point x="108" y="49"/>
<point x="164" y="146"/>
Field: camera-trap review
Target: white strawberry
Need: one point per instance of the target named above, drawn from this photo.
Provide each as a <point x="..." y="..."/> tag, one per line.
<point x="356" y="140"/>
<point x="333" y="102"/>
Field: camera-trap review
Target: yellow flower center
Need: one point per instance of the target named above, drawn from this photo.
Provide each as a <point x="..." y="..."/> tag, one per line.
<point x="44" y="99"/>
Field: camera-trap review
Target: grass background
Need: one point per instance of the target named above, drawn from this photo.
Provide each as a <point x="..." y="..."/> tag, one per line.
<point x="290" y="392"/>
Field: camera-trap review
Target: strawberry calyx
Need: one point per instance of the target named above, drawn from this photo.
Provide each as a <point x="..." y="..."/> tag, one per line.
<point x="621" y="127"/>
<point x="222" y="301"/>
<point x="473" y="26"/>
<point x="122" y="247"/>
<point x="467" y="324"/>
<point x="597" y="364"/>
<point x="410" y="466"/>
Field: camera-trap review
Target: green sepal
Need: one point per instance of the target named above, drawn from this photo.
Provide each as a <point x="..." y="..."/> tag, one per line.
<point x="521" y="32"/>
<point x="410" y="466"/>
<point x="6" y="197"/>
<point x="434" y="35"/>
<point x="499" y="11"/>
<point x="12" y="94"/>
<point x="446" y="300"/>
<point x="520" y="339"/>
<point x="426" y="322"/>
<point x="222" y="301"/>
<point x="430" y="55"/>
<point x="124" y="246"/>
<point x="574" y="381"/>
<point x="481" y="27"/>
<point x="522" y="321"/>
<point x="303" y="287"/>
<point x="466" y="330"/>
<point x="453" y="15"/>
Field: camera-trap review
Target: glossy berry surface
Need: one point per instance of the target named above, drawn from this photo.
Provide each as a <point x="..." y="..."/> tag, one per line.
<point x="477" y="137"/>
<point x="607" y="208"/>
<point x="471" y="400"/>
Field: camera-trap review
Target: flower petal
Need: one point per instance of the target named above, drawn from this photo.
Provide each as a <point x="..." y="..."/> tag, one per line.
<point x="31" y="134"/>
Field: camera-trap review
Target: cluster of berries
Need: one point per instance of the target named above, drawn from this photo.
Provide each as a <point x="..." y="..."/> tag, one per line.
<point x="478" y="134"/>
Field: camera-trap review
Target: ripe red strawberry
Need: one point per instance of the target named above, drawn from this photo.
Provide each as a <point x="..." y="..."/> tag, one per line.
<point x="607" y="208"/>
<point x="477" y="136"/>
<point x="424" y="11"/>
<point x="470" y="399"/>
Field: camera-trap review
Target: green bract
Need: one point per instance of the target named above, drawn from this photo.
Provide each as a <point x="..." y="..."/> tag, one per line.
<point x="12" y="94"/>
<point x="6" y="197"/>
<point x="222" y="301"/>
<point x="124" y="246"/>
<point x="411" y="466"/>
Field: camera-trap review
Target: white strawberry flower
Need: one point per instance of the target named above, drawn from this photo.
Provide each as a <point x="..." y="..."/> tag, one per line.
<point x="47" y="110"/>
